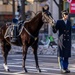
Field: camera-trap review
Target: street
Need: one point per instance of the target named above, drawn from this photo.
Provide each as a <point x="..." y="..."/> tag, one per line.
<point x="48" y="65"/>
<point x="22" y="22"/>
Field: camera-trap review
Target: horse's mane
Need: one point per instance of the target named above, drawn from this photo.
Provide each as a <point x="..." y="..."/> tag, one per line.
<point x="37" y="15"/>
<point x="34" y="18"/>
<point x="34" y="23"/>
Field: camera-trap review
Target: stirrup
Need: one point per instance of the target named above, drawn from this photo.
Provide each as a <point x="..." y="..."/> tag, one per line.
<point x="13" y="39"/>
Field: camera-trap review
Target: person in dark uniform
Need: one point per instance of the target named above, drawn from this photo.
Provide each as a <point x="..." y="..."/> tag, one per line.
<point x="64" y="41"/>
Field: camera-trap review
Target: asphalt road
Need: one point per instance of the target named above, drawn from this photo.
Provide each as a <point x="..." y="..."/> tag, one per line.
<point x="48" y="64"/>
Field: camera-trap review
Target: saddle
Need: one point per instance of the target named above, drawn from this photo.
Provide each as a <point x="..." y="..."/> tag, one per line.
<point x="10" y="29"/>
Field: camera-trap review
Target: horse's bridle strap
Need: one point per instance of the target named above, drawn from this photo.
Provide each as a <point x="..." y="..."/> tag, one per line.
<point x="35" y="38"/>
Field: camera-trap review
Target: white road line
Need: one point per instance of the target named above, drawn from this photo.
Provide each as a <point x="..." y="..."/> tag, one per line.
<point x="11" y="70"/>
<point x="34" y="70"/>
<point x="42" y="68"/>
<point x="26" y="59"/>
<point x="17" y="55"/>
<point x="29" y="73"/>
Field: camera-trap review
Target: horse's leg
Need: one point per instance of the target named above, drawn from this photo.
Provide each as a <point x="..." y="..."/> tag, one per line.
<point x="24" y="57"/>
<point x="35" y="46"/>
<point x="5" y="49"/>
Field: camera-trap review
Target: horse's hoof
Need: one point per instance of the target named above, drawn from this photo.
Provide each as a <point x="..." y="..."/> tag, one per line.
<point x="25" y="70"/>
<point x="39" y="70"/>
<point x="8" y="70"/>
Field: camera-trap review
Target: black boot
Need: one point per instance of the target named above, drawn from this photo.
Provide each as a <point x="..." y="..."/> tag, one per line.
<point x="14" y="38"/>
<point x="65" y="71"/>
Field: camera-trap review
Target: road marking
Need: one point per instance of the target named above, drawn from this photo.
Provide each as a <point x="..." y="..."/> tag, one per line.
<point x="42" y="68"/>
<point x="17" y="67"/>
<point x="29" y="73"/>
<point x="29" y="55"/>
<point x="34" y="70"/>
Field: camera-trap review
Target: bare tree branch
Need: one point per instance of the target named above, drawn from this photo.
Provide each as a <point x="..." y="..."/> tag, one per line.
<point x="56" y="3"/>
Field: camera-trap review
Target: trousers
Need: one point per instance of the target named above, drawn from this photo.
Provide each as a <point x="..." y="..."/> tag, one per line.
<point x="63" y="62"/>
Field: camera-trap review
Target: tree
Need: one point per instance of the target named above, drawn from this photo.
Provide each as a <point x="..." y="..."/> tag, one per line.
<point x="23" y="9"/>
<point x="13" y="7"/>
<point x="60" y="6"/>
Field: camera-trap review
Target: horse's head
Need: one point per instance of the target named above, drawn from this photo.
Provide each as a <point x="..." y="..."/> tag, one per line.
<point x="33" y="26"/>
<point x="45" y="18"/>
<point x="48" y="19"/>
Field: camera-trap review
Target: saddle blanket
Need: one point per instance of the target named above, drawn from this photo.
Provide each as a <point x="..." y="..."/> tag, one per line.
<point x="9" y="32"/>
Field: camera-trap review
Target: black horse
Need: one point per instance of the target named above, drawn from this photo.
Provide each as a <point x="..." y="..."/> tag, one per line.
<point x="28" y="37"/>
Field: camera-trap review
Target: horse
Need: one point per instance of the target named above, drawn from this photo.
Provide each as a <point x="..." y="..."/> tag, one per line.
<point x="28" y="37"/>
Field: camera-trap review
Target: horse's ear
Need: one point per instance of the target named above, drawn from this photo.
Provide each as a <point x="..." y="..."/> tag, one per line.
<point x="40" y="14"/>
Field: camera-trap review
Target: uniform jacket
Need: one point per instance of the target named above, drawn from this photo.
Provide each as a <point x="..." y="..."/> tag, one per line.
<point x="64" y="38"/>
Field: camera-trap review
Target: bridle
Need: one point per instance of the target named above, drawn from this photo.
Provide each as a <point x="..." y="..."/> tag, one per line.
<point x="49" y="19"/>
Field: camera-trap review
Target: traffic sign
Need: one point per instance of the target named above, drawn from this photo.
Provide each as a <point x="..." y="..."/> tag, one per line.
<point x="69" y="1"/>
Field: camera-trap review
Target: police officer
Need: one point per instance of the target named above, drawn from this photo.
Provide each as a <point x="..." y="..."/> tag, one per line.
<point x="64" y="41"/>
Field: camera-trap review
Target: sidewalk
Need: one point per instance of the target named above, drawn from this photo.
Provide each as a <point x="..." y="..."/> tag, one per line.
<point x="41" y="50"/>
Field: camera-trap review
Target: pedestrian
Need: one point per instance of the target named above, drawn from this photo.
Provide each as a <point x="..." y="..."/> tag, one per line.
<point x="64" y="41"/>
<point x="49" y="41"/>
